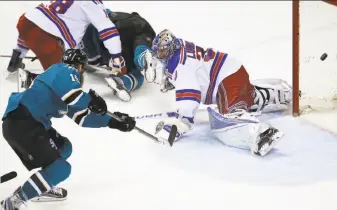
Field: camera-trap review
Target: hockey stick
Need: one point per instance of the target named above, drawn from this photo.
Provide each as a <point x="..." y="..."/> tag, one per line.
<point x="165" y="114"/>
<point x="138" y="129"/>
<point x="92" y="68"/>
<point x="8" y="176"/>
<point x="88" y="66"/>
<point x="171" y="138"/>
<point x="27" y="57"/>
<point x="157" y="115"/>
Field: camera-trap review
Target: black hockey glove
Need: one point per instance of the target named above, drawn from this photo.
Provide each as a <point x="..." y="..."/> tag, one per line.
<point x="97" y="103"/>
<point x="126" y="124"/>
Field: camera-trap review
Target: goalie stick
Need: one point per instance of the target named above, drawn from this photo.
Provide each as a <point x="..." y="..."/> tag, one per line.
<point x="157" y="115"/>
<point x="166" y="114"/>
<point x="8" y="176"/>
<point x="171" y="138"/>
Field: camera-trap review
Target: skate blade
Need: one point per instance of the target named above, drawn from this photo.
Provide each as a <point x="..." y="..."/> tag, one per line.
<point x="47" y="199"/>
<point x="124" y="95"/>
<point x="10" y="75"/>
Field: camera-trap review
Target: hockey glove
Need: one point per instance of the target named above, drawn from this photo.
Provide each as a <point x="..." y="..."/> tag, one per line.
<point x="118" y="64"/>
<point x="97" y="103"/>
<point x="125" y="124"/>
<point x="163" y="128"/>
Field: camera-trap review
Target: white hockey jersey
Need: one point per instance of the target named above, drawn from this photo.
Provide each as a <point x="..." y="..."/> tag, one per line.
<point x="69" y="20"/>
<point x="196" y="74"/>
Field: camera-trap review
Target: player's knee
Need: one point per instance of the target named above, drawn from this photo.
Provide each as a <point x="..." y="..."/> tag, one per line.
<point x="66" y="150"/>
<point x="58" y="171"/>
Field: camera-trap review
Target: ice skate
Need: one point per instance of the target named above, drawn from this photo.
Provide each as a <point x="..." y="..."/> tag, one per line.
<point x="266" y="141"/>
<point x="14" y="202"/>
<point x="55" y="194"/>
<point x="25" y="79"/>
<point x="117" y="85"/>
<point x="149" y="64"/>
<point x="167" y="86"/>
<point x="16" y="62"/>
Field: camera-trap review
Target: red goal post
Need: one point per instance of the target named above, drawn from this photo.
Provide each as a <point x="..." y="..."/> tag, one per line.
<point x="296" y="50"/>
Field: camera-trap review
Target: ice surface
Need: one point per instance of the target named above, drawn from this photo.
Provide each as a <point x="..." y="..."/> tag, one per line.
<point x="126" y="171"/>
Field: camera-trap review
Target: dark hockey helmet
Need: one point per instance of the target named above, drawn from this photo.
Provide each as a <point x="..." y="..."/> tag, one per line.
<point x="75" y="57"/>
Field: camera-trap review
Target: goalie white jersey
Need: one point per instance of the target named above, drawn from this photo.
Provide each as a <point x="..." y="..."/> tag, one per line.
<point x="69" y="20"/>
<point x="197" y="73"/>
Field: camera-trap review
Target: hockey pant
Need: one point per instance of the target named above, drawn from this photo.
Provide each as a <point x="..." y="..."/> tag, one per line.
<point x="47" y="48"/>
<point x="37" y="148"/>
<point x="235" y="92"/>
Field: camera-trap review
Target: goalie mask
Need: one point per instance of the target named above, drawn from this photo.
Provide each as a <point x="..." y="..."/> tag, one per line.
<point x="165" y="44"/>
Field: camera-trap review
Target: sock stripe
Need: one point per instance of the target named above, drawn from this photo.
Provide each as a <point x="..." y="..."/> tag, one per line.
<point x="135" y="81"/>
<point x="43" y="181"/>
<point x="38" y="183"/>
<point x="131" y="81"/>
<point x="31" y="182"/>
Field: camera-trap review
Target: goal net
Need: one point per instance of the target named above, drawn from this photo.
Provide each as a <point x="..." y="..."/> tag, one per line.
<point x="314" y="56"/>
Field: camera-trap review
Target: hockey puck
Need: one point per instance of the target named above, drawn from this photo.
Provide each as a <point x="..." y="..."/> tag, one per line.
<point x="324" y="56"/>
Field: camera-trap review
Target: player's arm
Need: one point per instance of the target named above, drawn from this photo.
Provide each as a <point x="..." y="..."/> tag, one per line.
<point x="188" y="94"/>
<point x="97" y="15"/>
<point x="85" y="109"/>
<point x="67" y="86"/>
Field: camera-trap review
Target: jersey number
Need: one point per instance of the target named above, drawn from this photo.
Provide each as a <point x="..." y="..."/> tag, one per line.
<point x="60" y="7"/>
<point x="196" y="52"/>
<point x="74" y="78"/>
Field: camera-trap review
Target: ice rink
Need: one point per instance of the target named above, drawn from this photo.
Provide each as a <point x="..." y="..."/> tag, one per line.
<point x="127" y="171"/>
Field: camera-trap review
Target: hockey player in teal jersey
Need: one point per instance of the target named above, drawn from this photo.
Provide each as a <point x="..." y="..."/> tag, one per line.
<point x="28" y="129"/>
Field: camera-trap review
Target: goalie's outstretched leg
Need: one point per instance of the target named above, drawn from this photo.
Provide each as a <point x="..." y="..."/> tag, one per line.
<point x="241" y="129"/>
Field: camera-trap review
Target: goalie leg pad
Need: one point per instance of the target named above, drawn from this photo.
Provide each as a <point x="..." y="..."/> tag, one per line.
<point x="243" y="130"/>
<point x="271" y="95"/>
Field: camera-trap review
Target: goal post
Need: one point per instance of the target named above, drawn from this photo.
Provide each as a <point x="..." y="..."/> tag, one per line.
<point x="314" y="48"/>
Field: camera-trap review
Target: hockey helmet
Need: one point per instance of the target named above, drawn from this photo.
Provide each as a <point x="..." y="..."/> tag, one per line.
<point x="75" y="57"/>
<point x="165" y="44"/>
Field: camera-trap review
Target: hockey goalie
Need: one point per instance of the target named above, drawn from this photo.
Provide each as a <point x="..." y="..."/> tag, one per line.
<point x="211" y="77"/>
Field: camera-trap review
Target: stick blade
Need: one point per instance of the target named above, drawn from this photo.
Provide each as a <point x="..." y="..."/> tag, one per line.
<point x="8" y="176"/>
<point x="173" y="134"/>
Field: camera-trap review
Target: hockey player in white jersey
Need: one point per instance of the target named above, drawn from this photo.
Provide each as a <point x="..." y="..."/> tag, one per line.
<point x="51" y="28"/>
<point x="211" y="77"/>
